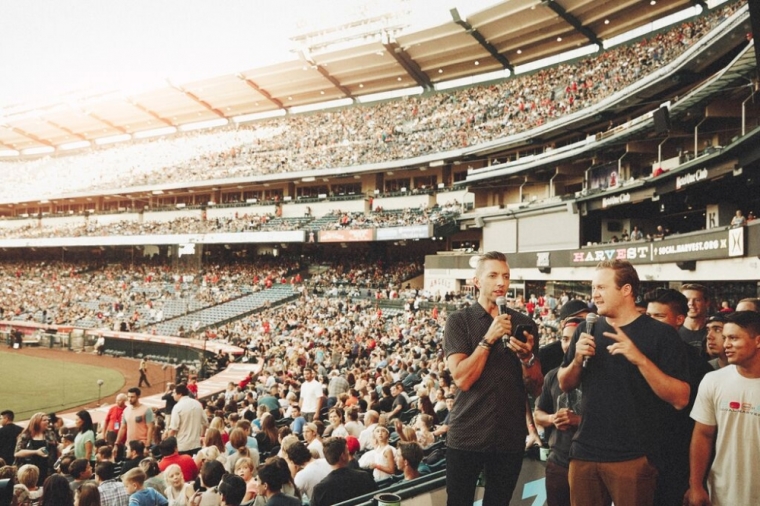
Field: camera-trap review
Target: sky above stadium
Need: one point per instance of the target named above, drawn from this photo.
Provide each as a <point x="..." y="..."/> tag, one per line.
<point x="52" y="47"/>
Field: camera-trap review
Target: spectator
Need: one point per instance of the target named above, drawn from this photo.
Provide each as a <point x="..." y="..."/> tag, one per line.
<point x="408" y="458"/>
<point x="112" y="491"/>
<point x="693" y="329"/>
<point x="723" y="423"/>
<point x="738" y="220"/>
<point x="177" y="491"/>
<point x="188" y="422"/>
<point x="9" y="433"/>
<point x="81" y="471"/>
<point x="715" y="348"/>
<point x="112" y="422"/>
<point x="134" y="481"/>
<point x="559" y="414"/>
<point x="272" y="478"/>
<point x="84" y="443"/>
<point x="310" y="471"/>
<point x="137" y="422"/>
<point x="342" y="483"/>
<point x="56" y="492"/>
<point x="170" y="455"/>
<point x="135" y="453"/>
<point x="37" y="445"/>
<point x="232" y="490"/>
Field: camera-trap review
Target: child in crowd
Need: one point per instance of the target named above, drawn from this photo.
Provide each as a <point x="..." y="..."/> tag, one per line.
<point x="245" y="469"/>
<point x="134" y="481"/>
<point x="177" y="492"/>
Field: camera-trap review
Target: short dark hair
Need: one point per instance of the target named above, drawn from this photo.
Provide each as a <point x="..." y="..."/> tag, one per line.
<point x="77" y="467"/>
<point x="298" y="453"/>
<point x="747" y="320"/>
<point x="135" y="390"/>
<point x="168" y="446"/>
<point x="182" y="390"/>
<point x="675" y="300"/>
<point x="274" y="473"/>
<point x="105" y="470"/>
<point x="137" y="446"/>
<point x="212" y="472"/>
<point x="232" y="489"/>
<point x="7" y="413"/>
<point x="333" y="448"/>
<point x="412" y="452"/>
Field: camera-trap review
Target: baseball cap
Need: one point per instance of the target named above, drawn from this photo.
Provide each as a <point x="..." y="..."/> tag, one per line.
<point x="352" y="444"/>
<point x="571" y="308"/>
<point x="716" y="318"/>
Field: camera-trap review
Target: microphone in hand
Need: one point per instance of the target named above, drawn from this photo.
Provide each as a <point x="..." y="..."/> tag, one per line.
<point x="591" y="319"/>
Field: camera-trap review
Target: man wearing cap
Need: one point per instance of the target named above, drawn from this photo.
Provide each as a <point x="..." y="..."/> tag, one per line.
<point x="560" y="419"/>
<point x="715" y="347"/>
<point x="551" y="355"/>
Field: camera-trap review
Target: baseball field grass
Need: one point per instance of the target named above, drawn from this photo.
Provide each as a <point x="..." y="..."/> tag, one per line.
<point x="32" y="384"/>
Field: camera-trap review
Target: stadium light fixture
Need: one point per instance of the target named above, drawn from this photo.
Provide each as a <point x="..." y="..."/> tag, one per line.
<point x="74" y="145"/>
<point x="42" y="150"/>
<point x="199" y="125"/>
<point x="156" y="132"/>
<point x="243" y="118"/>
<point x="111" y="139"/>
<point x="330" y="104"/>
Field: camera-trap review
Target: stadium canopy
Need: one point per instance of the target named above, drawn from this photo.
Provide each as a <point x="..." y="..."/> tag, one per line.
<point x="504" y="36"/>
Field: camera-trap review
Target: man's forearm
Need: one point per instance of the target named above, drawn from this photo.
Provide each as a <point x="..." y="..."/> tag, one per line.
<point x="570" y="377"/>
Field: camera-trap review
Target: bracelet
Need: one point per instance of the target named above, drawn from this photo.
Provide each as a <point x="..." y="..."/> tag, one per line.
<point x="485" y="344"/>
<point x="530" y="362"/>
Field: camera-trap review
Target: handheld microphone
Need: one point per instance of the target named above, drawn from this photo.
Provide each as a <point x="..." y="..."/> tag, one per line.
<point x="501" y="302"/>
<point x="591" y="319"/>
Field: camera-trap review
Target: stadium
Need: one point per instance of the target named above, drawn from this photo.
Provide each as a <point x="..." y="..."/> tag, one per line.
<point x="248" y="221"/>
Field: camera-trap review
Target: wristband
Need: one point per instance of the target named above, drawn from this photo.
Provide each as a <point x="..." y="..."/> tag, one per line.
<point x="530" y="361"/>
<point x="485" y="344"/>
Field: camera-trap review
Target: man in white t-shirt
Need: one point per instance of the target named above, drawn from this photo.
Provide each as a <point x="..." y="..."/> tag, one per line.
<point x="188" y="421"/>
<point x="312" y="470"/>
<point x="727" y="416"/>
<point x="312" y="396"/>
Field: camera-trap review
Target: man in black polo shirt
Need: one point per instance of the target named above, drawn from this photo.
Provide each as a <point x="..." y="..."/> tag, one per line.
<point x="487" y="422"/>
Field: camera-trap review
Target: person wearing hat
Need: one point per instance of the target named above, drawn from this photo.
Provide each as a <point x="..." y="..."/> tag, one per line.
<point x="715" y="341"/>
<point x="551" y="355"/>
<point x="560" y="421"/>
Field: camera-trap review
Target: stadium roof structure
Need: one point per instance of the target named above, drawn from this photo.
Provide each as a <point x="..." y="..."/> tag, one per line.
<point x="506" y="35"/>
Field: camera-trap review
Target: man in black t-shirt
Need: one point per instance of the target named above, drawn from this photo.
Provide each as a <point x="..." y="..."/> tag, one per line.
<point x="634" y="372"/>
<point x="400" y="403"/>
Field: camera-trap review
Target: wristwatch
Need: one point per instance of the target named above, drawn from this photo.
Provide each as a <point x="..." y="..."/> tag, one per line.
<point x="530" y="362"/>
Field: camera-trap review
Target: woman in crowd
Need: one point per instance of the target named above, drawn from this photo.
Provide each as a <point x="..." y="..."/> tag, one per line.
<point x="84" y="442"/>
<point x="57" y="492"/>
<point x="37" y="445"/>
<point x="424" y="426"/>
<point x="214" y="449"/>
<point x="267" y="437"/>
<point x="336" y="427"/>
<point x="89" y="495"/>
<point x="28" y="475"/>
<point x="218" y="423"/>
<point x="155" y="479"/>
<point x="239" y="441"/>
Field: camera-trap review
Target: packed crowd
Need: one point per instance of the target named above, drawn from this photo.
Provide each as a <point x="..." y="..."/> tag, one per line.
<point x="127" y="297"/>
<point x="238" y="223"/>
<point x="359" y="135"/>
<point x="339" y="386"/>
